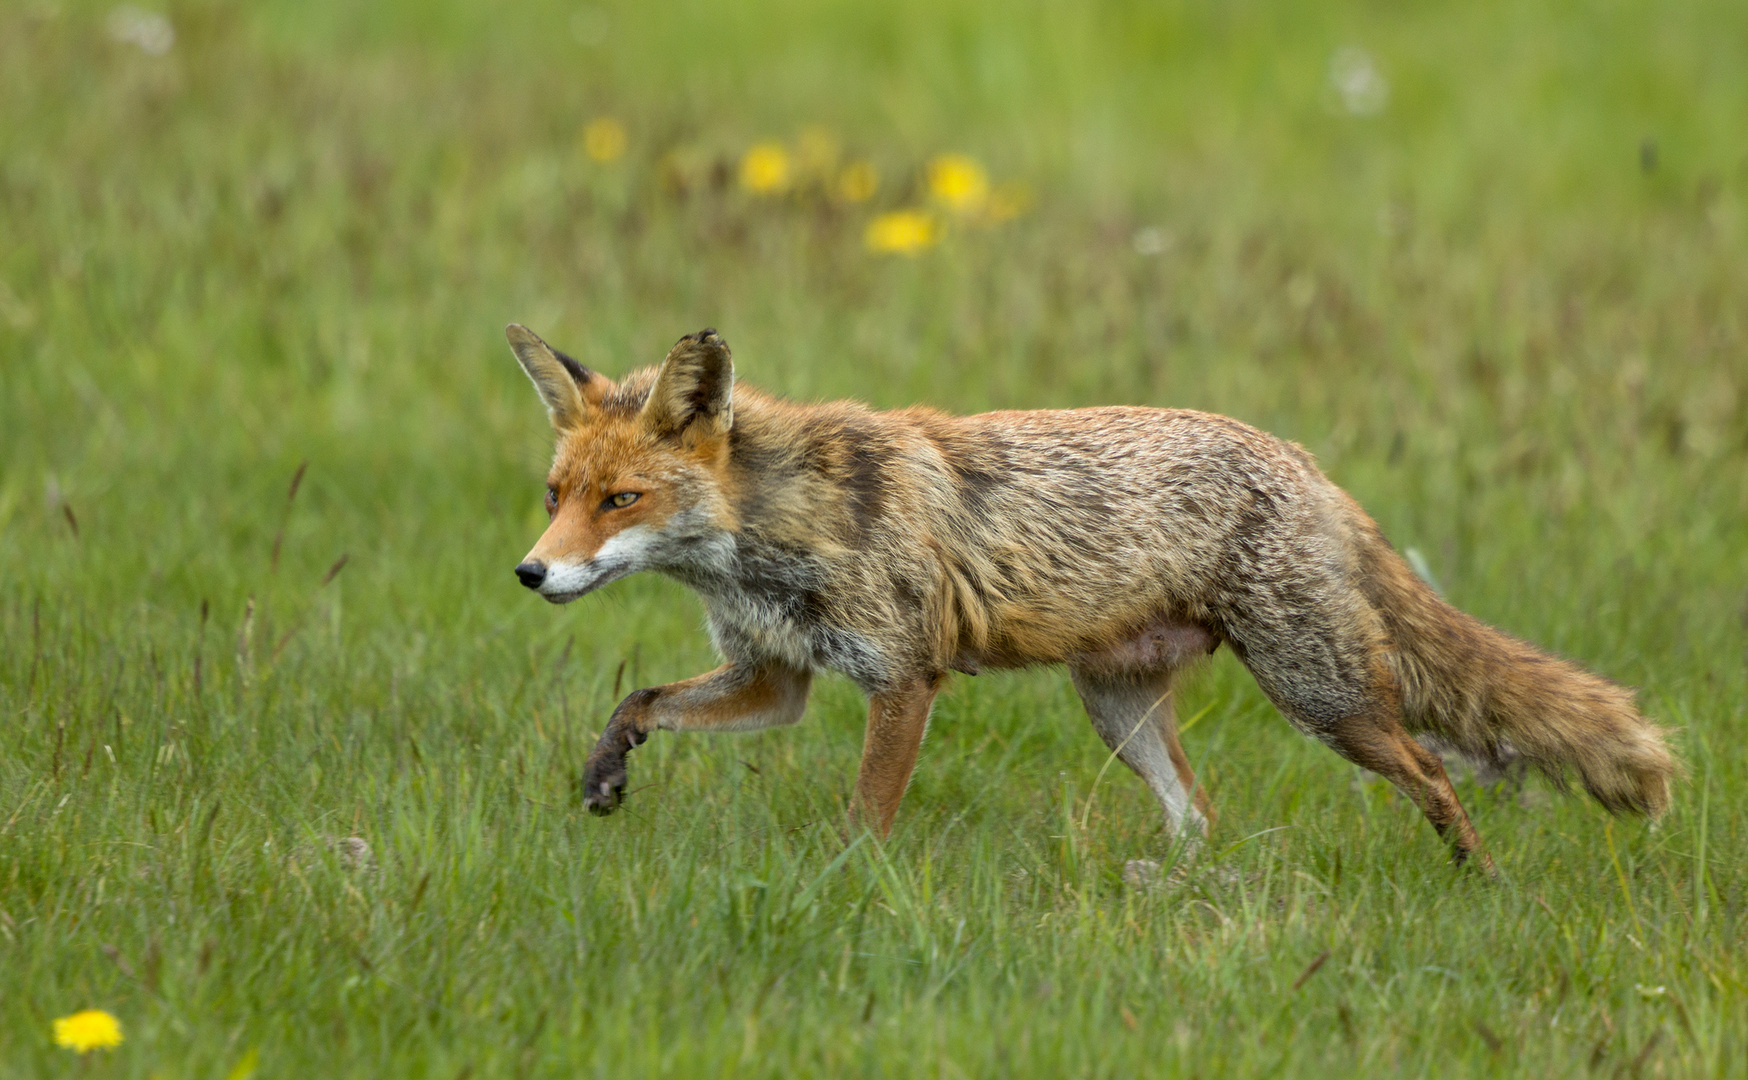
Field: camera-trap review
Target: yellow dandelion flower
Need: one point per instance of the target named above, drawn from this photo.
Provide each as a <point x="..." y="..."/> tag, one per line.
<point x="604" y="139"/>
<point x="90" y="1030"/>
<point x="1008" y="201"/>
<point x="765" y="169"/>
<point x="959" y="183"/>
<point x="858" y="182"/>
<point x="901" y="232"/>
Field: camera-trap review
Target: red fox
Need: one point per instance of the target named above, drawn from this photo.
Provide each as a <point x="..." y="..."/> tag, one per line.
<point x="1125" y="543"/>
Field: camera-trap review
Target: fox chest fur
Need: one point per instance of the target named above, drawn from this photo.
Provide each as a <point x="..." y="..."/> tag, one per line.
<point x="767" y="603"/>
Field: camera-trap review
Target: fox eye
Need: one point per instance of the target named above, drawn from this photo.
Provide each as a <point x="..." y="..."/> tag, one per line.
<point x="621" y="500"/>
<point x="551" y="502"/>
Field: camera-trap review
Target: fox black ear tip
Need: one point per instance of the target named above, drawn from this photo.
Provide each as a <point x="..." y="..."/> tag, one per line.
<point x="519" y="334"/>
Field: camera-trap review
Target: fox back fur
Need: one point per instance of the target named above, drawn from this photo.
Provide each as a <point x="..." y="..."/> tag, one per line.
<point x="896" y="547"/>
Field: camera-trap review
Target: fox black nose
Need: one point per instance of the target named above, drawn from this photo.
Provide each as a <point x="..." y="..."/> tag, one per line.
<point x="531" y="573"/>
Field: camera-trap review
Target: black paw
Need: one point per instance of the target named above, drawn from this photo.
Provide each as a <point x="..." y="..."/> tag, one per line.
<point x="604" y="772"/>
<point x="604" y="786"/>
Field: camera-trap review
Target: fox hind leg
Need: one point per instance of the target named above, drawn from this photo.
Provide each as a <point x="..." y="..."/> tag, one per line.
<point x="1378" y="742"/>
<point x="1133" y="713"/>
<point x="1329" y="678"/>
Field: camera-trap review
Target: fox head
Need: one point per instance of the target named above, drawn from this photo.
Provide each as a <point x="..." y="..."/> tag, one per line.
<point x="637" y="480"/>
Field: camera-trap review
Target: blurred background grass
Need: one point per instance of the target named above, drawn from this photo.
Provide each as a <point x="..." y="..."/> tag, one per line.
<point x="1487" y="261"/>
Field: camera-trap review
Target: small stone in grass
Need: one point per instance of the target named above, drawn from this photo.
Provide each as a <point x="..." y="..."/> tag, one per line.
<point x="1142" y="873"/>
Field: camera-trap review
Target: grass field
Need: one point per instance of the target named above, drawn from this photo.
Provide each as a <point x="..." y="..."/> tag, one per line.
<point x="1492" y="270"/>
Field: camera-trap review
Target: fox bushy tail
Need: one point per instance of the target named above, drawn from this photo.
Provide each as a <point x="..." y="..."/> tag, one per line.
<point x="1495" y="697"/>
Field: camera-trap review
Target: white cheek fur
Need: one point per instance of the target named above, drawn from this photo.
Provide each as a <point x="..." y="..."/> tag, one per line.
<point x="632" y="544"/>
<point x="624" y="553"/>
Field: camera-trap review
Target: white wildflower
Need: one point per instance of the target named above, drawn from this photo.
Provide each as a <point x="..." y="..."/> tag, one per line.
<point x="1359" y="84"/>
<point x="148" y="30"/>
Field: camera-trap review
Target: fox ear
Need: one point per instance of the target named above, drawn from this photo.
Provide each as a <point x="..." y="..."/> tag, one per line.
<point x="694" y="389"/>
<point x="567" y="387"/>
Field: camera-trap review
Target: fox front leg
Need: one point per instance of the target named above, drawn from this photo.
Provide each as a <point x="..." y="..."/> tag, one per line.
<point x="897" y="719"/>
<point x="734" y="697"/>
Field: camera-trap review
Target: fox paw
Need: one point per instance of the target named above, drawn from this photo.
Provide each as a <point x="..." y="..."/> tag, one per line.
<point x="604" y="772"/>
<point x="604" y="786"/>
